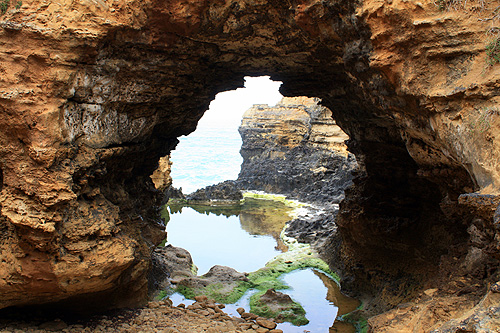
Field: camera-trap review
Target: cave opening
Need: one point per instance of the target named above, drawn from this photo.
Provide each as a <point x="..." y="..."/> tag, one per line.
<point x="135" y="78"/>
<point x="294" y="171"/>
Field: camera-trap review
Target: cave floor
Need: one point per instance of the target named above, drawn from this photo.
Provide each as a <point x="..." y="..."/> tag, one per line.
<point x="157" y="316"/>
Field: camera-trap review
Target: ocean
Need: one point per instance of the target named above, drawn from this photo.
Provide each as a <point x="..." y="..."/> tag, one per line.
<point x="211" y="154"/>
<point x="206" y="157"/>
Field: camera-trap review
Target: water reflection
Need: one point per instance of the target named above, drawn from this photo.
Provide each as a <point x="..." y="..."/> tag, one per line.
<point x="245" y="237"/>
<point x="322" y="300"/>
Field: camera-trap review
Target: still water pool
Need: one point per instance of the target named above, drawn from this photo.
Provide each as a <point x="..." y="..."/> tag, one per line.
<point x="245" y="238"/>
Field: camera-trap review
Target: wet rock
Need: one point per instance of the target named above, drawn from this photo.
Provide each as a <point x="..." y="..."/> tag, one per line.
<point x="248" y="315"/>
<point x="273" y="296"/>
<point x="276" y="302"/>
<point x="219" y="280"/>
<point x="314" y="228"/>
<point x="225" y="193"/>
<point x="170" y="265"/>
<point x="266" y="323"/>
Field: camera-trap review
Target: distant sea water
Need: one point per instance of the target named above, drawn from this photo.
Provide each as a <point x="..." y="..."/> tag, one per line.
<point x="211" y="154"/>
<point x="206" y="157"/>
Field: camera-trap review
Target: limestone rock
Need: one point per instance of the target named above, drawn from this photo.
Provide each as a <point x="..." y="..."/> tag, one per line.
<point x="266" y="323"/>
<point x="282" y="306"/>
<point x="170" y="264"/>
<point x="295" y="148"/>
<point x="93" y="94"/>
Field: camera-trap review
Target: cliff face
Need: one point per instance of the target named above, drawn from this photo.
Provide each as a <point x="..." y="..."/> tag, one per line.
<point x="295" y="148"/>
<point x="93" y="93"/>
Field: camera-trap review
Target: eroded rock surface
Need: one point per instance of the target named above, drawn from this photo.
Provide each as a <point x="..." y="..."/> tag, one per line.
<point x="93" y="94"/>
<point x="295" y="148"/>
<point x="170" y="264"/>
<point x="227" y="192"/>
<point x="204" y="315"/>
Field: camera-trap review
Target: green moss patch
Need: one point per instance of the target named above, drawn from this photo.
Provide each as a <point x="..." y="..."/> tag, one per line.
<point x="226" y="294"/>
<point x="292" y="312"/>
<point x="274" y="197"/>
<point x="359" y="322"/>
<point x="299" y="256"/>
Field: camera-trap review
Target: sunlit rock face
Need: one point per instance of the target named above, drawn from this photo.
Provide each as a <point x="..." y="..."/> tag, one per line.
<point x="93" y="93"/>
<point x="295" y="148"/>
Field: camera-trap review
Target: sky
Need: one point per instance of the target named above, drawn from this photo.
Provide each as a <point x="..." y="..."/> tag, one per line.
<point x="228" y="107"/>
<point x="211" y="154"/>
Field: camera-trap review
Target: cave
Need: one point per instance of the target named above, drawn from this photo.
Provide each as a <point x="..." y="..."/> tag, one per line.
<point x="91" y="102"/>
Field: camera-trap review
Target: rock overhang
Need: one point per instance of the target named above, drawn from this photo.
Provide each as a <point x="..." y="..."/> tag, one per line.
<point x="91" y="102"/>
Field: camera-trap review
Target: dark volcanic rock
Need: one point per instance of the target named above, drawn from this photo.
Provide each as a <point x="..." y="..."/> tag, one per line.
<point x="174" y="193"/>
<point x="313" y="229"/>
<point x="296" y="149"/>
<point x="224" y="192"/>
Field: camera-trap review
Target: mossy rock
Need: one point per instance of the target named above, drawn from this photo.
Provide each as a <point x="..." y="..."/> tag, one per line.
<point x="273" y="304"/>
<point x="221" y="283"/>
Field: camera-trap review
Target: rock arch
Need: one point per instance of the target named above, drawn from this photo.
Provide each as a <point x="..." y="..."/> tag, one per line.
<point x="93" y="99"/>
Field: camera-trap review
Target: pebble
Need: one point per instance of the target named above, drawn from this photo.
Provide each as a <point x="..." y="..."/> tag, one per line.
<point x="159" y="316"/>
<point x="204" y="312"/>
<point x="266" y="323"/>
<point x="246" y="315"/>
<point x="201" y="299"/>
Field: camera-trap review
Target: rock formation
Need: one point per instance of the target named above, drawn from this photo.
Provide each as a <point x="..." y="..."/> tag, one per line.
<point x="93" y="93"/>
<point x="295" y="148"/>
<point x="224" y="193"/>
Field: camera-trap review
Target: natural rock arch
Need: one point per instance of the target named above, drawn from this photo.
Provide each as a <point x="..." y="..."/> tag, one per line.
<point x="92" y="100"/>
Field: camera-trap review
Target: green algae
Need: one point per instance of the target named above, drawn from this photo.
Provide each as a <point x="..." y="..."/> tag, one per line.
<point x="293" y="312"/>
<point x="216" y="291"/>
<point x="301" y="256"/>
<point x="275" y="210"/>
<point x="274" y="197"/>
<point x="359" y="322"/>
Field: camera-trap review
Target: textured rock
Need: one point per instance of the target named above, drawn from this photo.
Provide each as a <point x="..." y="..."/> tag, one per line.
<point x="169" y="264"/>
<point x="219" y="282"/>
<point x="314" y="229"/>
<point x="158" y="316"/>
<point x="226" y="192"/>
<point x="295" y="148"/>
<point x="93" y="94"/>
